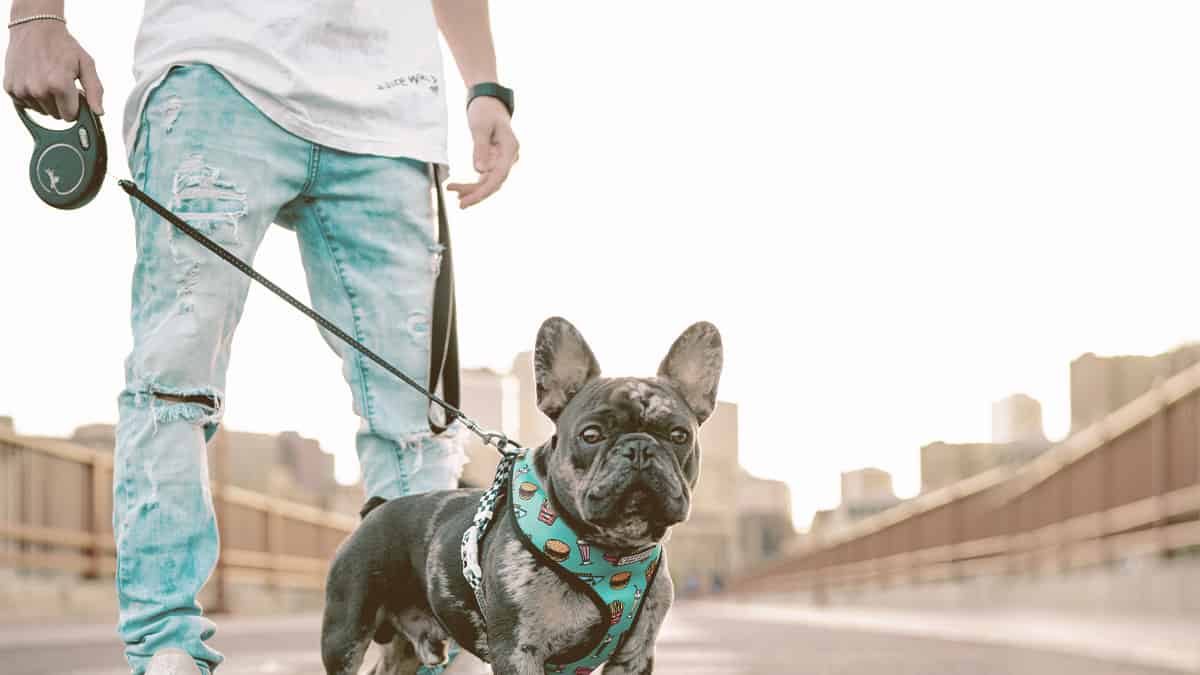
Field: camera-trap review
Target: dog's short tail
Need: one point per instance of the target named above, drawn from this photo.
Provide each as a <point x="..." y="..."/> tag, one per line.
<point x="370" y="506"/>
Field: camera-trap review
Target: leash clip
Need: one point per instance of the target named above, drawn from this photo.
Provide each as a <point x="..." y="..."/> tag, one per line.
<point x="500" y="441"/>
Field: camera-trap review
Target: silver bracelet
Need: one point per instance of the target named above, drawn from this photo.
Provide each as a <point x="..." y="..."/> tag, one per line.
<point x="37" y="17"/>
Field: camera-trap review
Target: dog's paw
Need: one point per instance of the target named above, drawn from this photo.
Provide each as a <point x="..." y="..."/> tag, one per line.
<point x="433" y="652"/>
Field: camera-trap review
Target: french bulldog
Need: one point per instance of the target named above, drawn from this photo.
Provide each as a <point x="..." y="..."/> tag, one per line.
<point x="620" y="469"/>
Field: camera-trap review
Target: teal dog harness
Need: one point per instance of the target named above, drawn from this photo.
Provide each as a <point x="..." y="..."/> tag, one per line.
<point x="616" y="583"/>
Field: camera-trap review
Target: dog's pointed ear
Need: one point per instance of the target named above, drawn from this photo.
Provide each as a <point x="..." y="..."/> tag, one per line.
<point x="562" y="364"/>
<point x="694" y="366"/>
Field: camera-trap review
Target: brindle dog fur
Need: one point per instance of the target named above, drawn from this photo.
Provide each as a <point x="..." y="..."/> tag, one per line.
<point x="620" y="469"/>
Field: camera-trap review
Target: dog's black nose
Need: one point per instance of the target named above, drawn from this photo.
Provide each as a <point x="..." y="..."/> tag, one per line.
<point x="638" y="449"/>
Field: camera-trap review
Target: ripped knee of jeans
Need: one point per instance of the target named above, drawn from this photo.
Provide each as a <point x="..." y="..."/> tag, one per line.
<point x="200" y="407"/>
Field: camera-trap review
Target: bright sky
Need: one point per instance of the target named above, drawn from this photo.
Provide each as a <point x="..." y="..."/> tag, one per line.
<point x="896" y="212"/>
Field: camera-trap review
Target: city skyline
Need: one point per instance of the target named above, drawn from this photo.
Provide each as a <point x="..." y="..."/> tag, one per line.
<point x="802" y="516"/>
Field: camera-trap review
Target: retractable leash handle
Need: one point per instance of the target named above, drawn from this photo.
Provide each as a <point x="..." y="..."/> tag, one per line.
<point x="68" y="165"/>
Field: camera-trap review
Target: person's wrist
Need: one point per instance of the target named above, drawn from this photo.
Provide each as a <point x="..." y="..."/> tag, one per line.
<point x="492" y="90"/>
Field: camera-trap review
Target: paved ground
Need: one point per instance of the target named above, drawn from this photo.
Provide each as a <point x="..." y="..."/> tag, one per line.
<point x="710" y="638"/>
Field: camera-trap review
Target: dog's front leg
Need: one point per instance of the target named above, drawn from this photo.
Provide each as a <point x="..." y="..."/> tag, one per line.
<point x="636" y="656"/>
<point x="509" y="660"/>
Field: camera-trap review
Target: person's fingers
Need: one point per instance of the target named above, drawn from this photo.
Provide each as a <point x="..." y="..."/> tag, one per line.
<point x="90" y="79"/>
<point x="30" y="103"/>
<point x="462" y="188"/>
<point x="67" y="102"/>
<point x="506" y="156"/>
<point x="487" y="187"/>
<point x="508" y="147"/>
<point x="463" y="191"/>
<point x="483" y="151"/>
<point x="45" y="99"/>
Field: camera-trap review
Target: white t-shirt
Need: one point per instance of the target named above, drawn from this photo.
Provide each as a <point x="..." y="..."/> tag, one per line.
<point x="363" y="76"/>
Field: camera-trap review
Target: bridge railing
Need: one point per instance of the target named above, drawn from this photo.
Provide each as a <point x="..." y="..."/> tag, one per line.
<point x="56" y="513"/>
<point x="1126" y="486"/>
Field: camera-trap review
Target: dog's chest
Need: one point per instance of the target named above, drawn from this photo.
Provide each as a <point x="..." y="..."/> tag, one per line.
<point x="553" y="614"/>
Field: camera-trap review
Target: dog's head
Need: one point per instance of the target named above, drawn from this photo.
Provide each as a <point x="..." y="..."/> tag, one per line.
<point x="626" y="454"/>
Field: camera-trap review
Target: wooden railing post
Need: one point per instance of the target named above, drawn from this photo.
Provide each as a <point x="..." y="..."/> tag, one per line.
<point x="1064" y="517"/>
<point x="274" y="544"/>
<point x="220" y="478"/>
<point x="958" y="531"/>
<point x="1160" y="468"/>
<point x="820" y="593"/>
<point x="92" y="513"/>
<point x="1106" y="498"/>
<point x="1012" y="540"/>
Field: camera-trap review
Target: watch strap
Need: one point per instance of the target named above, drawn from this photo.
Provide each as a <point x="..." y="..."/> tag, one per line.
<point x="494" y="90"/>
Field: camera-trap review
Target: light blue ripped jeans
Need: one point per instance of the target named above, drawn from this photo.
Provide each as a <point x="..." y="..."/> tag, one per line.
<point x="368" y="242"/>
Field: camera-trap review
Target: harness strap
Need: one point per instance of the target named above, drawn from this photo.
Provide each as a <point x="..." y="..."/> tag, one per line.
<point x="472" y="539"/>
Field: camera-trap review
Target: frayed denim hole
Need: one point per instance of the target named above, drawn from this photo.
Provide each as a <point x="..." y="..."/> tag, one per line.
<point x="211" y="204"/>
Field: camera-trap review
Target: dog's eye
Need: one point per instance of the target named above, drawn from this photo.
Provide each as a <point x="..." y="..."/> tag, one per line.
<point x="680" y="435"/>
<point x="591" y="434"/>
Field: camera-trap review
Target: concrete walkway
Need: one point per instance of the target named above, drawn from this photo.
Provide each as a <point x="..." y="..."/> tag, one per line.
<point x="730" y="638"/>
<point x="1157" y="642"/>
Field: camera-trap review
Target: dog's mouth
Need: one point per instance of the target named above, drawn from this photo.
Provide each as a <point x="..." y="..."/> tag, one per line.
<point x="642" y="501"/>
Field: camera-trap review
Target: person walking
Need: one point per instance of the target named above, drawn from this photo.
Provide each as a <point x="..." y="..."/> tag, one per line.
<point x="326" y="117"/>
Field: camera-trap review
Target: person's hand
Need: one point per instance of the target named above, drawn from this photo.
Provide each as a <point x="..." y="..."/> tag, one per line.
<point x="41" y="67"/>
<point x="496" y="150"/>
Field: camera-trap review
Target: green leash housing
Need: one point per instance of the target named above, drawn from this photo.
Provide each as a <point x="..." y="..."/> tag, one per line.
<point x="68" y="165"/>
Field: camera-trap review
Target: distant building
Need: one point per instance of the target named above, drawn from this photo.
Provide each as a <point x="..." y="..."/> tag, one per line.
<point x="943" y="464"/>
<point x="764" y="526"/>
<point x="285" y="465"/>
<point x="865" y="492"/>
<point x="1102" y="384"/>
<point x="535" y="427"/>
<point x="1017" y="419"/>
<point x="707" y="543"/>
<point x="1017" y="437"/>
<point x="491" y="398"/>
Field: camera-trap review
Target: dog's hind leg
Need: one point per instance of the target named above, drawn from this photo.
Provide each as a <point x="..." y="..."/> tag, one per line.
<point x="428" y="637"/>
<point x="396" y="657"/>
<point x="352" y="613"/>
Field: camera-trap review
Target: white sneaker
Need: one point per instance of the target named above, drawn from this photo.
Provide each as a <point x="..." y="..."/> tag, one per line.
<point x="172" y="661"/>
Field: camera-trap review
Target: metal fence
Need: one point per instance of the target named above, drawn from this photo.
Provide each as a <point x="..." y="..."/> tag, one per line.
<point x="1126" y="486"/>
<point x="56" y="513"/>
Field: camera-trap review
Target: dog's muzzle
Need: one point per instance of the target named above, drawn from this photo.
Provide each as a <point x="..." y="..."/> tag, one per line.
<point x="639" y="450"/>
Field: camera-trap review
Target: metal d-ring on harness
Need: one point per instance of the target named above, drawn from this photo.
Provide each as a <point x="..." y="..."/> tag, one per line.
<point x="492" y="438"/>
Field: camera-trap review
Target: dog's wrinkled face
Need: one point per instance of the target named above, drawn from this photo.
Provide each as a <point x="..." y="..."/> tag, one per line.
<point x="626" y="456"/>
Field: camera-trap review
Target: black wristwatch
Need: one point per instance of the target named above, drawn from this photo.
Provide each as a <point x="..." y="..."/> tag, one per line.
<point x="496" y="91"/>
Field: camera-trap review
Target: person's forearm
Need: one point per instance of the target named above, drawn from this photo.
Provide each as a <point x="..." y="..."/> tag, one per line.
<point x="24" y="8"/>
<point x="468" y="31"/>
